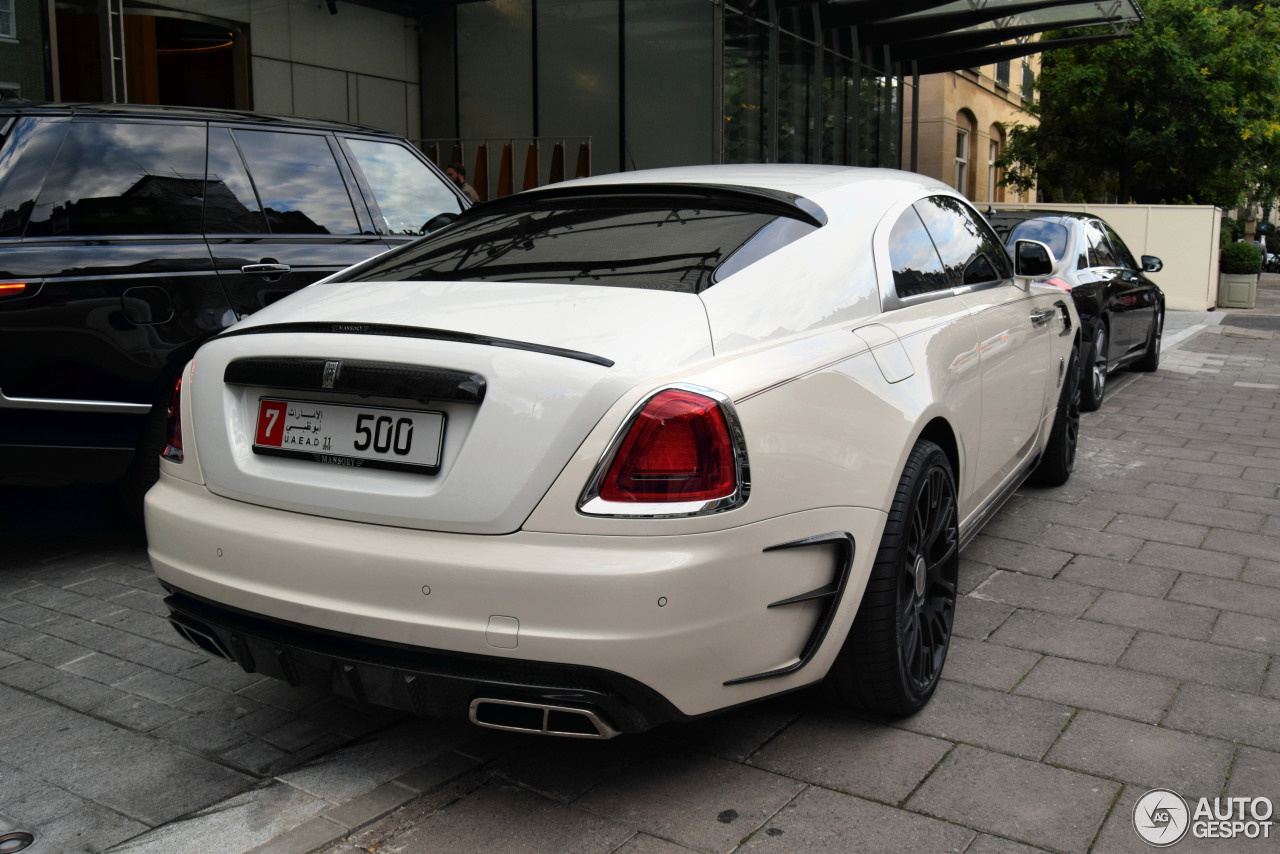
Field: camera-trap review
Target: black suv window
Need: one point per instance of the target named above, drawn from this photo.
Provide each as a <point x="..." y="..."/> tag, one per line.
<point x="633" y="244"/>
<point x="230" y="205"/>
<point x="113" y="178"/>
<point x="25" y="156"/>
<point x="917" y="269"/>
<point x="969" y="248"/>
<point x="407" y="192"/>
<point x="298" y="182"/>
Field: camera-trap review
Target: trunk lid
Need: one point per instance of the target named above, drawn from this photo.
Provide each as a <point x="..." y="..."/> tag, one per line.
<point x="545" y="361"/>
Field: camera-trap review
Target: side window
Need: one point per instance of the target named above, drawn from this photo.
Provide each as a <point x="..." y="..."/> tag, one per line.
<point x="407" y="192"/>
<point x="970" y="250"/>
<point x="230" y="204"/>
<point x="25" y="158"/>
<point x="1122" y="255"/>
<point x="917" y="269"/>
<point x="298" y="181"/>
<point x="118" y="178"/>
<point x="1099" y="251"/>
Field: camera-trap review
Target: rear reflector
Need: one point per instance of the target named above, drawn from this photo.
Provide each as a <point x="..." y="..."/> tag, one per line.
<point x="173" y="430"/>
<point x="677" y="449"/>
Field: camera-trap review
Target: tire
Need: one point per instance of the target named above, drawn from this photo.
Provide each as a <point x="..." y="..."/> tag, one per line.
<point x="1093" y="380"/>
<point x="893" y="655"/>
<point x="1060" y="453"/>
<point x="1150" y="360"/>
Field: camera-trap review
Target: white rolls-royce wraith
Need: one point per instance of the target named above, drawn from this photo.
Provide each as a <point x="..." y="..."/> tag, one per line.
<point x="621" y="451"/>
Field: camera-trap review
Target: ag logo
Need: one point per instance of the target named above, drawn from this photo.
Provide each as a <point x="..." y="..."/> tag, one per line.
<point x="1161" y="817"/>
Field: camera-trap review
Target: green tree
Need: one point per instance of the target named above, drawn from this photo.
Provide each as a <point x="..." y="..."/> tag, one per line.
<point x="1187" y="109"/>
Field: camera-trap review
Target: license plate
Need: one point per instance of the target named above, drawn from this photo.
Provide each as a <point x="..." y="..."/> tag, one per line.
<point x="356" y="436"/>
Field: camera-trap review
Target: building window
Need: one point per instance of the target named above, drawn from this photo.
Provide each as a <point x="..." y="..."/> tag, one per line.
<point x="8" y="22"/>
<point x="962" y="159"/>
<point x="1028" y="82"/>
<point x="1002" y="73"/>
<point x="993" y="173"/>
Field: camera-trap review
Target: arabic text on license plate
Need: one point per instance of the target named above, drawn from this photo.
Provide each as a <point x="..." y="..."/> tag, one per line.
<point x="357" y="436"/>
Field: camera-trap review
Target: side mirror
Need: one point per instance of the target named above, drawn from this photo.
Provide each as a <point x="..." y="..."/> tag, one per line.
<point x="1032" y="259"/>
<point x="437" y="222"/>
<point x="1151" y="264"/>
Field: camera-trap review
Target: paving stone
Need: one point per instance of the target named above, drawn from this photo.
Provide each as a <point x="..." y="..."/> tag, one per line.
<point x="1041" y="594"/>
<point x="92" y="828"/>
<point x="643" y="843"/>
<point x="821" y="821"/>
<point x="500" y="817"/>
<point x="964" y="713"/>
<point x="1024" y="801"/>
<point x="566" y="769"/>
<point x="1098" y="544"/>
<point x="852" y="756"/>
<point x="1115" y="575"/>
<point x="437" y="772"/>
<point x="1007" y="554"/>
<point x="977" y="619"/>
<point x="1244" y="718"/>
<point x="1248" y="632"/>
<point x="1227" y="595"/>
<point x="217" y="703"/>
<point x="1087" y="641"/>
<point x="1080" y="516"/>
<point x="1254" y="504"/>
<point x="1235" y="520"/>
<point x="1271" y="688"/>
<point x="237" y="824"/>
<point x="1237" y="543"/>
<point x="103" y="668"/>
<point x="1118" y="835"/>
<point x="66" y="602"/>
<point x="147" y="625"/>
<point x="219" y="673"/>
<point x="1184" y="559"/>
<point x="985" y="844"/>
<point x="1255" y="773"/>
<point x="27" y="615"/>
<point x="1216" y="469"/>
<point x="1140" y="696"/>
<point x="1177" y="532"/>
<point x="971" y="574"/>
<point x="257" y="758"/>
<point x="30" y="675"/>
<point x="160" y="687"/>
<point x="369" y="807"/>
<point x="986" y="665"/>
<point x="201" y="734"/>
<point x="699" y="801"/>
<point x="1140" y="753"/>
<point x="1182" y="494"/>
<point x="1020" y="529"/>
<point x="137" y="713"/>
<point x="81" y="694"/>
<point x="311" y="835"/>
<point x="739" y="733"/>
<point x="1156" y="615"/>
<point x="1235" y="486"/>
<point x="1145" y="505"/>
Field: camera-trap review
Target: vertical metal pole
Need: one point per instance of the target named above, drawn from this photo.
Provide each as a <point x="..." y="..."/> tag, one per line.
<point x="622" y="85"/>
<point x="856" y="141"/>
<point x="717" y="82"/>
<point x="111" y="34"/>
<point x="54" y="76"/>
<point x="887" y="131"/>
<point x="533" y="31"/>
<point x="817" y="82"/>
<point x="772" y="156"/>
<point x="915" y="116"/>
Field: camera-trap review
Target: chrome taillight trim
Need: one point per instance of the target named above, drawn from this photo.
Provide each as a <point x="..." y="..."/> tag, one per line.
<point x="591" y="504"/>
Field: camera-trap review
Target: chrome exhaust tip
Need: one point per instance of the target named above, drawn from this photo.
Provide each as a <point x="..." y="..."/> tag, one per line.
<point x="195" y="633"/>
<point x="517" y="716"/>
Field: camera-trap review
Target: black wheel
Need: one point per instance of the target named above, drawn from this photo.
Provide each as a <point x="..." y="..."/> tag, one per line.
<point x="893" y="656"/>
<point x="144" y="469"/>
<point x="1150" y="360"/>
<point x="1060" y="454"/>
<point x="1093" y="382"/>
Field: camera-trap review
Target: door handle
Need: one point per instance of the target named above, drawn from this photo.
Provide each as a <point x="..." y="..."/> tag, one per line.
<point x="265" y="269"/>
<point x="1042" y="316"/>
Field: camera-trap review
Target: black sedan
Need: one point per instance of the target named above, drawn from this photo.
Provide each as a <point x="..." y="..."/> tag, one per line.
<point x="1121" y="310"/>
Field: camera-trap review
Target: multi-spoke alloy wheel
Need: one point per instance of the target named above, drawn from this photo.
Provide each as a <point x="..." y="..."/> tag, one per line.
<point x="895" y="650"/>
<point x="1096" y="382"/>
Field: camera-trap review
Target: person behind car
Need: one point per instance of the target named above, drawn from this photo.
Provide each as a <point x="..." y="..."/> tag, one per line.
<point x="458" y="174"/>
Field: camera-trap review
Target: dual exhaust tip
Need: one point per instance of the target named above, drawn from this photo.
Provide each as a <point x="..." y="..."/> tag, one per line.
<point x="539" y="718"/>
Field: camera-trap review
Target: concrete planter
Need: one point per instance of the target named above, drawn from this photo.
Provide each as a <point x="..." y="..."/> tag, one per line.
<point x="1237" y="290"/>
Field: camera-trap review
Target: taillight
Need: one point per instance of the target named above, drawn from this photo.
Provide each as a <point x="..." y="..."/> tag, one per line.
<point x="682" y="447"/>
<point x="14" y="289"/>
<point x="1061" y="284"/>
<point x="173" y="431"/>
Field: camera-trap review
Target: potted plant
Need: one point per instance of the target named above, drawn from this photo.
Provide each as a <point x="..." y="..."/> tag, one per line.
<point x="1238" y="267"/>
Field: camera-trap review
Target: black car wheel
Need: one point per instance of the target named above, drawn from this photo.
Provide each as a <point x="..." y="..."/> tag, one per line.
<point x="895" y="650"/>
<point x="1060" y="453"/>
<point x="1095" y="381"/>
<point x="1150" y="360"/>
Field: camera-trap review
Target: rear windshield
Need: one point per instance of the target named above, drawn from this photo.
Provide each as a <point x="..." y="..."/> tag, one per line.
<point x="670" y="248"/>
<point x="1051" y="234"/>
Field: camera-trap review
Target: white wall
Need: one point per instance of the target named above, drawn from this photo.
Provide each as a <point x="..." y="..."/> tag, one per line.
<point x="1184" y="237"/>
<point x="359" y="65"/>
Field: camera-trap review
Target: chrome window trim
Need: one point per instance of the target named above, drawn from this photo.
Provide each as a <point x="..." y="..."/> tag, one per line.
<point x="591" y="504"/>
<point x="62" y="405"/>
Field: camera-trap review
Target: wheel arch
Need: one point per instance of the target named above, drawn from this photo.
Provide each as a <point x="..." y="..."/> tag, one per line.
<point x="940" y="432"/>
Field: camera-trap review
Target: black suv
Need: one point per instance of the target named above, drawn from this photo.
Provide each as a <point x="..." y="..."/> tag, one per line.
<point x="128" y="235"/>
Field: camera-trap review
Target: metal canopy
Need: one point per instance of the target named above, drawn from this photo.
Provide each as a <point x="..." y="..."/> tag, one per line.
<point x="945" y="35"/>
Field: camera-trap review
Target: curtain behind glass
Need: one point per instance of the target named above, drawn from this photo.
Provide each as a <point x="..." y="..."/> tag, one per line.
<point x="578" y="79"/>
<point x="669" y="102"/>
<point x="495" y="55"/>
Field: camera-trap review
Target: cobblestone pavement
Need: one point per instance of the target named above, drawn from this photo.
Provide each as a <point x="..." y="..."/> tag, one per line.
<point x="1116" y="634"/>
